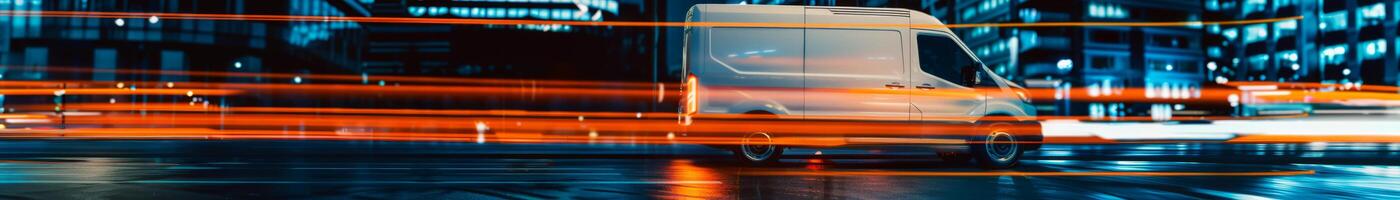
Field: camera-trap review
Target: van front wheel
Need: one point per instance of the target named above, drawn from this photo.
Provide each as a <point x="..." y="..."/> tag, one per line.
<point x="758" y="148"/>
<point x="997" y="148"/>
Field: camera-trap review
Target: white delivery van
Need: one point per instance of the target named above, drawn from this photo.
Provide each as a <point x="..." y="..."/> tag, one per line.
<point x="807" y="72"/>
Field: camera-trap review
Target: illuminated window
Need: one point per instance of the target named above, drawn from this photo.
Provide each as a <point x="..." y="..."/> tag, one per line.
<point x="1333" y="21"/>
<point x="308" y="32"/>
<point x="999" y="47"/>
<point x="1251" y="6"/>
<point x="1255" y="33"/>
<point x="1288" y="60"/>
<point x="590" y="10"/>
<point x="1101" y="10"/>
<point x="979" y="31"/>
<point x="1283" y="3"/>
<point x="968" y="13"/>
<point x="1030" y="15"/>
<point x="1285" y="28"/>
<point x="984" y="7"/>
<point x="1230" y="33"/>
<point x="1370" y="15"/>
<point x="1184" y="66"/>
<point x="1373" y="49"/>
<point x="1334" y="55"/>
<point x="1028" y="39"/>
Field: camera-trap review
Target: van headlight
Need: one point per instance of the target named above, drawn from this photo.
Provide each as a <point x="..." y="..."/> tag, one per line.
<point x="1024" y="97"/>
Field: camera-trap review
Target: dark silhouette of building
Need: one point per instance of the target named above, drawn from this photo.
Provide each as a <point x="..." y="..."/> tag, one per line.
<point x="152" y="43"/>
<point x="514" y="51"/>
<point x="77" y="49"/>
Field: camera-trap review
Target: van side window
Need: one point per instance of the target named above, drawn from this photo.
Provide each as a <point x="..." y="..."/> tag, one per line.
<point x="771" y="50"/>
<point x="942" y="57"/>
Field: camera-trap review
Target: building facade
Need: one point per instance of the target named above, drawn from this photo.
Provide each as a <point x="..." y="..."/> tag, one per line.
<point x="34" y="42"/>
<point x="1336" y="41"/>
<point x="1103" y="60"/>
<point x="514" y="51"/>
<point x="79" y="50"/>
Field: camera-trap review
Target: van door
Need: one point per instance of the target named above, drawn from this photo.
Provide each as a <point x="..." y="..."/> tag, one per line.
<point x="941" y="90"/>
<point x="856" y="73"/>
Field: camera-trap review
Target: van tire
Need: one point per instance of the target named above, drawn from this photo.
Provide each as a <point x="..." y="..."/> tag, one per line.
<point x="996" y="147"/>
<point x="758" y="148"/>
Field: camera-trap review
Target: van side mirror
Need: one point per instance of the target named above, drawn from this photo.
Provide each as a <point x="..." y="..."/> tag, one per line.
<point x="972" y="76"/>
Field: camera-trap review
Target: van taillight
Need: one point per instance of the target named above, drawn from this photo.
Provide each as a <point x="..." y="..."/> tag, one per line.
<point x="690" y="103"/>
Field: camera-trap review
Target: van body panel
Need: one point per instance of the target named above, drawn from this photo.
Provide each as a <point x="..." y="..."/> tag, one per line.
<point x="822" y="72"/>
<point x="754" y="66"/>
<point x="751" y="69"/>
<point x="856" y="73"/>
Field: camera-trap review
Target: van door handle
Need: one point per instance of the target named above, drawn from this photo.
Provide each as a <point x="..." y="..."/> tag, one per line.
<point x="894" y="85"/>
<point x="926" y="86"/>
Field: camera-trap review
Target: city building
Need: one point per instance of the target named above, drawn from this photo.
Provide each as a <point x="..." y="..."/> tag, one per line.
<point x="1336" y="41"/>
<point x="529" y="52"/>
<point x="34" y="48"/>
<point x="514" y="51"/>
<point x="1102" y="60"/>
<point x="1167" y="62"/>
<point x="29" y="43"/>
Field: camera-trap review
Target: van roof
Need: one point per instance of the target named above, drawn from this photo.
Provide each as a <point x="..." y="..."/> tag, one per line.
<point x="795" y="14"/>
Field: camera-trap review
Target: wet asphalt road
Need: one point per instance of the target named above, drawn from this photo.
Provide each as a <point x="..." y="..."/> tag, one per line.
<point x="401" y="170"/>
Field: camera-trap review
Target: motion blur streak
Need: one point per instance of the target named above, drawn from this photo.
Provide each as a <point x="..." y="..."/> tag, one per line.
<point x="175" y="107"/>
<point x="917" y="173"/>
<point x="80" y="118"/>
<point x="549" y="130"/>
<point x="1358" y="138"/>
<point x="403" y="20"/>
<point x="361" y="111"/>
<point x="114" y="91"/>
<point x="320" y="88"/>
<point x="332" y="77"/>
<point x="1319" y="86"/>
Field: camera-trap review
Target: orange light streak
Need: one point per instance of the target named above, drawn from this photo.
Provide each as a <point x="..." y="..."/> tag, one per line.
<point x="158" y="88"/>
<point x="337" y="77"/>
<point x="115" y="91"/>
<point x="1311" y="85"/>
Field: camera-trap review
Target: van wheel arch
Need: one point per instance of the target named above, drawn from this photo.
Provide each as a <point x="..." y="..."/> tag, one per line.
<point x="759" y="154"/>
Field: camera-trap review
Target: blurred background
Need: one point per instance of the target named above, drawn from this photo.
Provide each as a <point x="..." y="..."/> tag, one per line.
<point x="1341" y="42"/>
<point x="1287" y="107"/>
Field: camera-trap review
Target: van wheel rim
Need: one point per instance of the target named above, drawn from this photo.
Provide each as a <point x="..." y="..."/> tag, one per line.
<point x="1001" y="146"/>
<point x="758" y="146"/>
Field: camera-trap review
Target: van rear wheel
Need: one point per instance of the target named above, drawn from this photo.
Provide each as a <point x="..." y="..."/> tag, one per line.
<point x="758" y="148"/>
<point x="997" y="147"/>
